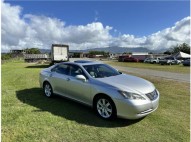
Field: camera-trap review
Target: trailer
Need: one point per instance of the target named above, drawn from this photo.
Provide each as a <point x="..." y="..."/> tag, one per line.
<point x="35" y="57"/>
<point x="59" y="53"/>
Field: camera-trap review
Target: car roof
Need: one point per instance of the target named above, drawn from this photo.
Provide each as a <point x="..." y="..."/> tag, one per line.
<point x="84" y="62"/>
<point x="87" y="62"/>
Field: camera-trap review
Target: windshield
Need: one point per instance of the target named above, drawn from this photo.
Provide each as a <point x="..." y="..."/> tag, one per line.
<point x="100" y="70"/>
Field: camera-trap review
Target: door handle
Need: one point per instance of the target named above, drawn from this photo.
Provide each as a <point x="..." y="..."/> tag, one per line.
<point x="68" y="79"/>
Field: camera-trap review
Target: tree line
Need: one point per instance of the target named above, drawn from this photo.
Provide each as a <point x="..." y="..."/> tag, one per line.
<point x="184" y="47"/>
<point x="179" y="48"/>
<point x="103" y="53"/>
<point x="7" y="56"/>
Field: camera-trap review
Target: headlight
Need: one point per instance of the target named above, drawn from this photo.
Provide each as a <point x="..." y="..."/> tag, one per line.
<point x="131" y="96"/>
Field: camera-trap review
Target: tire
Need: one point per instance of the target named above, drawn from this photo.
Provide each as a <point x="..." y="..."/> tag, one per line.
<point x="47" y="90"/>
<point x="105" y="108"/>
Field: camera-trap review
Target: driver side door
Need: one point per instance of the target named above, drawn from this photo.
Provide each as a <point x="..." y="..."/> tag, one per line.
<point x="78" y="89"/>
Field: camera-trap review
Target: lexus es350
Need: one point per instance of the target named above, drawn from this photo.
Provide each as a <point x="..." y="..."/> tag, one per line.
<point x="102" y="87"/>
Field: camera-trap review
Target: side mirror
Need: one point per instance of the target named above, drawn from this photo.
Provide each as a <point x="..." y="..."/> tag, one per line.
<point x="81" y="77"/>
<point x="120" y="72"/>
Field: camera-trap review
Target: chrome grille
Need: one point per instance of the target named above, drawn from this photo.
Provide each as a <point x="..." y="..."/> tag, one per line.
<point x="153" y="95"/>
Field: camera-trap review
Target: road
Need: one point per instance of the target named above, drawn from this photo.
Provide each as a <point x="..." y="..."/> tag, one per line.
<point x="148" y="72"/>
<point x="163" y="74"/>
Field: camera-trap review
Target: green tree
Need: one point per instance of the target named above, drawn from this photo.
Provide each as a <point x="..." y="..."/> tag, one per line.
<point x="181" y="47"/>
<point x="32" y="51"/>
<point x="168" y="52"/>
<point x="105" y="54"/>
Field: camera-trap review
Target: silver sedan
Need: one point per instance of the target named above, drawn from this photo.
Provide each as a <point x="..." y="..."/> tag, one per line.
<point x="109" y="92"/>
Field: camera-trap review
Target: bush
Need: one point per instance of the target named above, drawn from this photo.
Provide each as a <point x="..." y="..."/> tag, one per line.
<point x="6" y="56"/>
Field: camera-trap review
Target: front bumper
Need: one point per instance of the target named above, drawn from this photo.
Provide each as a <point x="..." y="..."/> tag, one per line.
<point x="134" y="109"/>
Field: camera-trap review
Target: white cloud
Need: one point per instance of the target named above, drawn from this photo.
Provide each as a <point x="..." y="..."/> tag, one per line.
<point x="169" y="37"/>
<point x="127" y="40"/>
<point x="164" y="39"/>
<point x="12" y="26"/>
<point x="22" y="31"/>
<point x="94" y="32"/>
<point x="41" y="31"/>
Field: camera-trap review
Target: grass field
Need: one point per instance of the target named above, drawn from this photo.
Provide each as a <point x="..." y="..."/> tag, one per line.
<point x="173" y="68"/>
<point x="29" y="116"/>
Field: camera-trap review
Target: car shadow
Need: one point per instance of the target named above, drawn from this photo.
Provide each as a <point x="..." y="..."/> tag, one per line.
<point x="68" y="109"/>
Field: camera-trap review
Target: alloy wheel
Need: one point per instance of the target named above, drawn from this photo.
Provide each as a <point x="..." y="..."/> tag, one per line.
<point x="104" y="108"/>
<point x="48" y="90"/>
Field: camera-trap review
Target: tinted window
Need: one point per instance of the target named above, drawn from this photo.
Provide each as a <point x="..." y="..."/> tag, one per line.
<point x="62" y="69"/>
<point x="76" y="70"/>
<point x="100" y="70"/>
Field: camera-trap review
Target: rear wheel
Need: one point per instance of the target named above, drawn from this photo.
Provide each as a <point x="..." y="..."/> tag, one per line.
<point x="105" y="107"/>
<point x="47" y="90"/>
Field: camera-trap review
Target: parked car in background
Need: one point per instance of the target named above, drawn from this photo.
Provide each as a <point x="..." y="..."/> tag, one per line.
<point x="122" y="57"/>
<point x="186" y="62"/>
<point x="155" y="60"/>
<point x="178" y="61"/>
<point x="151" y="60"/>
<point x="130" y="59"/>
<point x="102" y="87"/>
<point x="147" y="60"/>
<point x="169" y="61"/>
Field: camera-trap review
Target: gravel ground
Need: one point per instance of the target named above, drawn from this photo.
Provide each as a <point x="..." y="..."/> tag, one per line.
<point x="147" y="72"/>
<point x="163" y="74"/>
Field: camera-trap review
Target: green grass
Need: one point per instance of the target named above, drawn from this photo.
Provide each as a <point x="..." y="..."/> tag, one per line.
<point x="170" y="68"/>
<point x="29" y="116"/>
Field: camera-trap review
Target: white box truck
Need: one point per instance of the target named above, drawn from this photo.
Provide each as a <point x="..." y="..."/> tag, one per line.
<point x="59" y="53"/>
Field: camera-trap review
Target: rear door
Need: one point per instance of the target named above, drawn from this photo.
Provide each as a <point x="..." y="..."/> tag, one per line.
<point x="60" y="53"/>
<point x="57" y="53"/>
<point x="64" y="53"/>
<point x="59" y="79"/>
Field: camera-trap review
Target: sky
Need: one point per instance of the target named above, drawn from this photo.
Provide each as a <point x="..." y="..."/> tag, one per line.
<point x="94" y="24"/>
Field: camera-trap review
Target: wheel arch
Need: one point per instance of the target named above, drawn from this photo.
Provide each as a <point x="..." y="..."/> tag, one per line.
<point x="114" y="115"/>
<point x="102" y="95"/>
<point x="46" y="81"/>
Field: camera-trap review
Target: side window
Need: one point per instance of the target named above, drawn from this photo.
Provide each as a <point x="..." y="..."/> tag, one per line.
<point x="62" y="69"/>
<point x="91" y="70"/>
<point x="104" y="69"/>
<point x="76" y="70"/>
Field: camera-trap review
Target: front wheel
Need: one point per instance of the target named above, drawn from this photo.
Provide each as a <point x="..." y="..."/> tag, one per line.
<point x="105" y="108"/>
<point x="47" y="90"/>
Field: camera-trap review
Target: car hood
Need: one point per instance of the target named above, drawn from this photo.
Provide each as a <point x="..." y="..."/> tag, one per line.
<point x="129" y="83"/>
